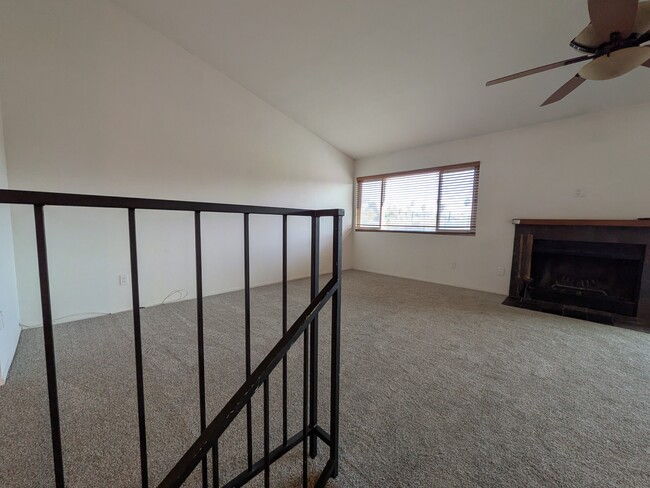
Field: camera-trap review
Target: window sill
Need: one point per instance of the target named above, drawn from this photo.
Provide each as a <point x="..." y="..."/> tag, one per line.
<point x="435" y="232"/>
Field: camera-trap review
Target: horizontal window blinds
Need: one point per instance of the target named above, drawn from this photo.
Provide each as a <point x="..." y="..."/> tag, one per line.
<point x="439" y="199"/>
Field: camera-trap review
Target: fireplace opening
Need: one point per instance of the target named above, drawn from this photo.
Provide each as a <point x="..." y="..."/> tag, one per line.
<point x="594" y="275"/>
<point x="595" y="270"/>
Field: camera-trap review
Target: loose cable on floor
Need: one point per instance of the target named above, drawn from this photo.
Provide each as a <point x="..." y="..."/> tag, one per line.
<point x="178" y="295"/>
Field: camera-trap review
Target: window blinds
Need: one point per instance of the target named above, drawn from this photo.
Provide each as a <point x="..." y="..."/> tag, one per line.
<point x="439" y="200"/>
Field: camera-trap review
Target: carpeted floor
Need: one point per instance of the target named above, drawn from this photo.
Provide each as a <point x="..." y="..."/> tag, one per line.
<point x="441" y="387"/>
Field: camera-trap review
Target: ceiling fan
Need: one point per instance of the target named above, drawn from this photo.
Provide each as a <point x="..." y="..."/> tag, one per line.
<point x="613" y="43"/>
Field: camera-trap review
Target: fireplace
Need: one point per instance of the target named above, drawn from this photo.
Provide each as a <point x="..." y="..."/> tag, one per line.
<point x="595" y="275"/>
<point x="584" y="269"/>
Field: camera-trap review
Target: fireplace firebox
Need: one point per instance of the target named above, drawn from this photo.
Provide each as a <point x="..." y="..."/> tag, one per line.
<point x="600" y="276"/>
<point x="591" y="270"/>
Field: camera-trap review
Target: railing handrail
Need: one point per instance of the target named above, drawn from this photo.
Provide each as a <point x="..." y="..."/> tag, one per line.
<point x="239" y="400"/>
<point x="100" y="201"/>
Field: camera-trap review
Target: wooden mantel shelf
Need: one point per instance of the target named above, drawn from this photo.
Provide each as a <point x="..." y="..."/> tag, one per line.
<point x="593" y="223"/>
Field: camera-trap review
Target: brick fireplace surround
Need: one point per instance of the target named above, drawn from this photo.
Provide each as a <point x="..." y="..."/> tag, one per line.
<point x="596" y="270"/>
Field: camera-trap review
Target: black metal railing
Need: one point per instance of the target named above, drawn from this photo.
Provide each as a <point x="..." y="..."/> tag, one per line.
<point x="306" y="326"/>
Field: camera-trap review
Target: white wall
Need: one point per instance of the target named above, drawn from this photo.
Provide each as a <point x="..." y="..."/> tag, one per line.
<point x="532" y="172"/>
<point x="9" y="316"/>
<point x="96" y="102"/>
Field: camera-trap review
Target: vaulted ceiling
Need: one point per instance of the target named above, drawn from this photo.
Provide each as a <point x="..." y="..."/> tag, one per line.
<point x="374" y="76"/>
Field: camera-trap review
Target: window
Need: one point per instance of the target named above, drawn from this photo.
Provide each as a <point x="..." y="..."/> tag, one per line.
<point x="440" y="200"/>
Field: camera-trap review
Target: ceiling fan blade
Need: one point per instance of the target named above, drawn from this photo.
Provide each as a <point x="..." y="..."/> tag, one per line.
<point x="564" y="90"/>
<point x="643" y="18"/>
<point x="539" y="69"/>
<point x="590" y="39"/>
<point x="616" y="63"/>
<point x="608" y="16"/>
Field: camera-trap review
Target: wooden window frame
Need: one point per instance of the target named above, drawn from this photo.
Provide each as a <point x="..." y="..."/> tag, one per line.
<point x="439" y="169"/>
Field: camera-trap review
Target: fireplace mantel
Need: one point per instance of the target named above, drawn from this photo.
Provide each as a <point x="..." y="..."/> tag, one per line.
<point x="592" y="223"/>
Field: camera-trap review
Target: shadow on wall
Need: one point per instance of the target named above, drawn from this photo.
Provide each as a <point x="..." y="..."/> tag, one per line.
<point x="9" y="314"/>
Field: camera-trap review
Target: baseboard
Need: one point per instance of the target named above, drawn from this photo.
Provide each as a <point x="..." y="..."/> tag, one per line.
<point x="4" y="369"/>
<point x="90" y="315"/>
<point x="423" y="280"/>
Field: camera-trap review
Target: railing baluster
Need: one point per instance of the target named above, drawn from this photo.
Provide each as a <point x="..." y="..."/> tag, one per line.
<point x="305" y="404"/>
<point x="336" y="344"/>
<point x="199" y="331"/>
<point x="285" y="436"/>
<point x="48" y="339"/>
<point x="215" y="465"/>
<point x="267" y="447"/>
<point x="315" y="285"/>
<point x="247" y="306"/>
<point x="137" y="338"/>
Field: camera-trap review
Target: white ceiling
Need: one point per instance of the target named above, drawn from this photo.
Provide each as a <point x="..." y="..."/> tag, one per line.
<point x="374" y="76"/>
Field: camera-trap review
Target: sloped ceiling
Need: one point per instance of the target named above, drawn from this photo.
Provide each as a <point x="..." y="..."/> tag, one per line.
<point x="374" y="76"/>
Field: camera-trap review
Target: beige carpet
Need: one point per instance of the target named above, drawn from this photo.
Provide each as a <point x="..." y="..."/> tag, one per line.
<point x="440" y="387"/>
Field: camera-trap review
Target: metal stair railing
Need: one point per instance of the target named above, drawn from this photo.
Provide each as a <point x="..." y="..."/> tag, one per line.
<point x="306" y="325"/>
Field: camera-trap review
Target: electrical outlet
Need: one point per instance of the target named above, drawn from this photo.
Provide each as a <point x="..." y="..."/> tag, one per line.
<point x="453" y="265"/>
<point x="124" y="280"/>
<point x="580" y="193"/>
<point x="501" y="271"/>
